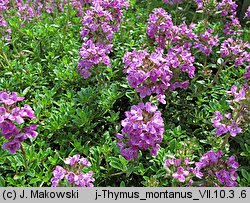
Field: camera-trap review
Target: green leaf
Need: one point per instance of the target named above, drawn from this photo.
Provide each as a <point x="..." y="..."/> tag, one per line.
<point x="34" y="180"/>
<point x="116" y="164"/>
<point x="31" y="173"/>
<point x="19" y="176"/>
<point x="172" y="144"/>
<point x="122" y="184"/>
<point x="2" y="182"/>
<point x="245" y="174"/>
<point x="130" y="170"/>
<point x="25" y="91"/>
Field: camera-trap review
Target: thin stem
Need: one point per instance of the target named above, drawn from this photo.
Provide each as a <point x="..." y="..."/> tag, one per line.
<point x="205" y="62"/>
<point x="176" y="13"/>
<point x="24" y="157"/>
<point x="214" y="79"/>
<point x="117" y="174"/>
<point x="217" y="74"/>
<point x="206" y="21"/>
<point x="225" y="140"/>
<point x="194" y="16"/>
<point x="6" y="59"/>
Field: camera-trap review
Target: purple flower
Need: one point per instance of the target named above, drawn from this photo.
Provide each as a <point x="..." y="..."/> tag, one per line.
<point x="143" y="128"/>
<point x="3" y="114"/>
<point x="180" y="174"/>
<point x="240" y="96"/>
<point x="213" y="163"/>
<point x="186" y="161"/>
<point x="227" y="7"/>
<point x="85" y="180"/>
<point x="9" y="98"/>
<point x="59" y="172"/>
<point x="7" y="127"/>
<point x="12" y="146"/>
<point x="221" y="129"/>
<point x="206" y="42"/>
<point x="169" y="162"/>
<point x="234" y="129"/>
<point x="216" y="120"/>
<point x="148" y="73"/>
<point x="235" y="49"/>
<point x="159" y="26"/>
<point x="129" y="153"/>
<point x="30" y="131"/>
<point x="10" y="113"/>
<point x="72" y="160"/>
<point x="182" y="85"/>
<point x="247" y="73"/>
<point x="26" y="111"/>
<point x="55" y="182"/>
<point x="92" y="54"/>
<point x="144" y="91"/>
<point x="232" y="163"/>
<point x="99" y="22"/>
<point x="177" y="162"/>
<point x="197" y="171"/>
<point x="15" y="115"/>
<point x="20" y="137"/>
<point x="233" y="90"/>
<point x="161" y="98"/>
<point x="73" y="174"/>
<point x="71" y="177"/>
<point x="247" y="14"/>
<point x="85" y="162"/>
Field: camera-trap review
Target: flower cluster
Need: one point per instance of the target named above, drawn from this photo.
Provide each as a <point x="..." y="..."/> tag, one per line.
<point x="240" y="104"/>
<point x="99" y="24"/>
<point x="181" y="58"/>
<point x="247" y="73"/>
<point x="212" y="168"/>
<point x="227" y="7"/>
<point x="177" y="40"/>
<point x="207" y="6"/>
<point x="238" y="96"/>
<point x="26" y="10"/>
<point x="160" y="28"/>
<point x="5" y="31"/>
<point x="151" y="73"/>
<point x="240" y="112"/>
<point x="235" y="49"/>
<point x="212" y="165"/>
<point x="247" y="14"/>
<point x="206" y="42"/>
<point x="180" y="169"/>
<point x="92" y="54"/>
<point x="232" y="27"/>
<point x="11" y="114"/>
<point x="3" y="5"/>
<point x="143" y="128"/>
<point x="220" y="123"/>
<point x="73" y="174"/>
<point x="77" y="5"/>
<point x="148" y="73"/>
